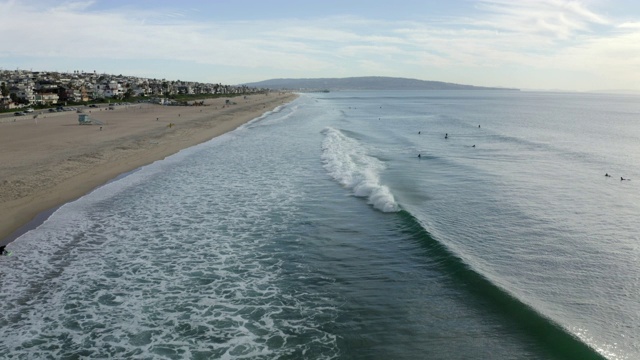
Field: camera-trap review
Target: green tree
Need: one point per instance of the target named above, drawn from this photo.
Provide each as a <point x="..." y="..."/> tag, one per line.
<point x="128" y="93"/>
<point x="4" y="89"/>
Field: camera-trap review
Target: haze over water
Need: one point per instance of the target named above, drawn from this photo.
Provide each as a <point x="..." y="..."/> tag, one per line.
<point x="317" y="232"/>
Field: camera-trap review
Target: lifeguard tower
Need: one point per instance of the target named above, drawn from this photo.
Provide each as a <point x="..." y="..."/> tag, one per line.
<point x="84" y="119"/>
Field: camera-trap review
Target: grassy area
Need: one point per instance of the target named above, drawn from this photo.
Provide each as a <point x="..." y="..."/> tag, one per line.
<point x="16" y="110"/>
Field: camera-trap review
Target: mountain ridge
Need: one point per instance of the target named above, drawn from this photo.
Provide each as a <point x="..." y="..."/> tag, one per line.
<point x="364" y="83"/>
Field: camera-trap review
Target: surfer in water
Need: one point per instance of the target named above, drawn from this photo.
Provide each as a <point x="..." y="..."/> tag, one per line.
<point x="446" y="136"/>
<point x="2" y="250"/>
<point x="419" y="156"/>
<point x="607" y="175"/>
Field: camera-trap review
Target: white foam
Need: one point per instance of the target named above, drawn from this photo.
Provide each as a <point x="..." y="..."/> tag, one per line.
<point x="347" y="162"/>
<point x="276" y="115"/>
<point x="181" y="256"/>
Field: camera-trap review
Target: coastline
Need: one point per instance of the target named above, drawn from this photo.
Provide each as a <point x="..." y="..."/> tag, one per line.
<point x="50" y="160"/>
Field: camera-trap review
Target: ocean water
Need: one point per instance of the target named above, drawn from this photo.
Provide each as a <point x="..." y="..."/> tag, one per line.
<point x="317" y="232"/>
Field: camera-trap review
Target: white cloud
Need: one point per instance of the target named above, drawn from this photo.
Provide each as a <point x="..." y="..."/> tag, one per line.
<point x="532" y="36"/>
<point x="559" y="18"/>
<point x="629" y="25"/>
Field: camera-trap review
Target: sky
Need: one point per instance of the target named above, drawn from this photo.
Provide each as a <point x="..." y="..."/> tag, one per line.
<point x="576" y="45"/>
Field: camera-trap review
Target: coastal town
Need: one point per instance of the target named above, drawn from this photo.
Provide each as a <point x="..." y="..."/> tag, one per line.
<point x="23" y="89"/>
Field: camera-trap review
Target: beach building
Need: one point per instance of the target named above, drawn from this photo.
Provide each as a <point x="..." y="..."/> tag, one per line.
<point x="83" y="119"/>
<point x="46" y="98"/>
<point x="24" y="92"/>
<point x="6" y="103"/>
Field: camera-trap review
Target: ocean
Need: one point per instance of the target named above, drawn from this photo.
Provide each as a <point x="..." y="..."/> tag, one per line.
<point x="344" y="225"/>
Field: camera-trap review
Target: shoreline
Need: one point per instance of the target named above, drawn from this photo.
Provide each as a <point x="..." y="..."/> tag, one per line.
<point x="51" y="160"/>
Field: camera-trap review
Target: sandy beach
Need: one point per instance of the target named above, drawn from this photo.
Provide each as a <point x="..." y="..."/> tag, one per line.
<point x="51" y="159"/>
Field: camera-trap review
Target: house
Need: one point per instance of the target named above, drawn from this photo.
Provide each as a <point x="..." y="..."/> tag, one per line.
<point x="23" y="92"/>
<point x="6" y="103"/>
<point x="46" y="98"/>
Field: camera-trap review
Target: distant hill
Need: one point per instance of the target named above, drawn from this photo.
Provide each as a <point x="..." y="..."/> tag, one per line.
<point x="363" y="83"/>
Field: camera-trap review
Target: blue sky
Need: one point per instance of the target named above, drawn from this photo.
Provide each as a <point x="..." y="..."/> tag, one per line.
<point x="542" y="44"/>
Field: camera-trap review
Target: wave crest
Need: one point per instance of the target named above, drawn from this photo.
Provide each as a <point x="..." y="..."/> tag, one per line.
<point x="346" y="160"/>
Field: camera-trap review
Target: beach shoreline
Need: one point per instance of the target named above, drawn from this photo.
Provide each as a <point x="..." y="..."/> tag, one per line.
<point x="49" y="160"/>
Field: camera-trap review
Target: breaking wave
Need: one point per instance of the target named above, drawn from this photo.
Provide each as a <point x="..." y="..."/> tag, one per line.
<point x="347" y="162"/>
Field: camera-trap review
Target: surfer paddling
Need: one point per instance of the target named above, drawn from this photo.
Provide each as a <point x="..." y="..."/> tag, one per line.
<point x="2" y="250"/>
